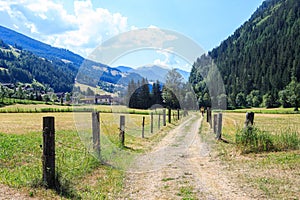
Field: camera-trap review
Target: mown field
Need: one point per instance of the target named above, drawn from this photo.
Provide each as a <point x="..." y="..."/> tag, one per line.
<point x="274" y="173"/>
<point x="80" y="174"/>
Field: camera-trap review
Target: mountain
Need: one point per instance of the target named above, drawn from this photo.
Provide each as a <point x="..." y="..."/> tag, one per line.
<point x="22" y="56"/>
<point x="124" y="68"/>
<point x="38" y="48"/>
<point x="23" y="66"/>
<point x="260" y="59"/>
<point x="153" y="72"/>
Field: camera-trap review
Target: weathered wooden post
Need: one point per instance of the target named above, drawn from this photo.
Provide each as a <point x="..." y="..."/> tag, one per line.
<point x="219" y="128"/>
<point x="122" y="130"/>
<point x="215" y="123"/>
<point x="249" y="119"/>
<point x="96" y="133"/>
<point x="164" y="117"/>
<point x="48" y="157"/>
<point x="207" y="115"/>
<point x="143" y="127"/>
<point x="169" y="114"/>
<point x="209" y="119"/>
<point x="151" y="127"/>
<point x="178" y="114"/>
<point x="158" y="121"/>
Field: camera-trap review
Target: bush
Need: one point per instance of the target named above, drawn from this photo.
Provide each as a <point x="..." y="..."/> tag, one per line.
<point x="251" y="139"/>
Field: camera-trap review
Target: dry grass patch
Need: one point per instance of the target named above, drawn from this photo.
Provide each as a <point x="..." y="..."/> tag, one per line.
<point x="22" y="123"/>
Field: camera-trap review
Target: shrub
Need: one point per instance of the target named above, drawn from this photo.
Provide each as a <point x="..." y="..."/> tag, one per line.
<point x="252" y="139"/>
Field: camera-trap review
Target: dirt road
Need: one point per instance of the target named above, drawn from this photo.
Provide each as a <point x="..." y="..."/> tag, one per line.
<point x="180" y="166"/>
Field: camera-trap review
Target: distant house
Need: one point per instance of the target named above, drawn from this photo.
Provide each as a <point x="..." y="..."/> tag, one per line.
<point x="98" y="99"/>
<point x="103" y="99"/>
<point x="87" y="100"/>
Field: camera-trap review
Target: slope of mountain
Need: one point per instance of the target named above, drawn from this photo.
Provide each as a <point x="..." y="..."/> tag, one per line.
<point x="22" y="66"/>
<point x="38" y="48"/>
<point x="260" y="58"/>
<point x="91" y="73"/>
<point x="153" y="72"/>
<point x="124" y="68"/>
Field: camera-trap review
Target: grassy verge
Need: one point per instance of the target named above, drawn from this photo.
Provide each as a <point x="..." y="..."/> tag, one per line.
<point x="268" y="160"/>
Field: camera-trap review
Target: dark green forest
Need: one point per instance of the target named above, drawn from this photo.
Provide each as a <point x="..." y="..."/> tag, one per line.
<point x="174" y="94"/>
<point x="260" y="62"/>
<point x="17" y="65"/>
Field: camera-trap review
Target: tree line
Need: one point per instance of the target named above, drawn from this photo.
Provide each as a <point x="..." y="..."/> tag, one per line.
<point x="174" y="94"/>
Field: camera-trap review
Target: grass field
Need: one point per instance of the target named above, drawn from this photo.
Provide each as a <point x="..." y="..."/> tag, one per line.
<point x="81" y="175"/>
<point x="275" y="174"/>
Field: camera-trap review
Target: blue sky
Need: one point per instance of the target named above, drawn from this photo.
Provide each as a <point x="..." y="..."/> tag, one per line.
<point x="81" y="26"/>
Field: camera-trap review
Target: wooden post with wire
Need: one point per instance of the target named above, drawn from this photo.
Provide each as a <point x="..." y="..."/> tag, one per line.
<point x="158" y="121"/>
<point x="151" y="119"/>
<point x="122" y="130"/>
<point x="209" y="120"/>
<point x="215" y="123"/>
<point x="164" y="117"/>
<point x="96" y="133"/>
<point x="143" y="127"/>
<point x="169" y="114"/>
<point x="48" y="158"/>
<point x="219" y="127"/>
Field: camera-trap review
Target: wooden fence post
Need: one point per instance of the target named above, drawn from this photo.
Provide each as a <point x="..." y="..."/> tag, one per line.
<point x="158" y="121"/>
<point x="96" y="133"/>
<point x="178" y="114"/>
<point x="48" y="157"/>
<point x="151" y="127"/>
<point x="215" y="123"/>
<point x="219" y="129"/>
<point x="164" y="117"/>
<point x="249" y="119"/>
<point x="209" y="120"/>
<point x="122" y="130"/>
<point x="143" y="127"/>
<point x="169" y="114"/>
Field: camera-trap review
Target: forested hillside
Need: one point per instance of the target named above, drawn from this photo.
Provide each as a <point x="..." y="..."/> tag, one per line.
<point x="17" y="65"/>
<point x="38" y="48"/>
<point x="260" y="62"/>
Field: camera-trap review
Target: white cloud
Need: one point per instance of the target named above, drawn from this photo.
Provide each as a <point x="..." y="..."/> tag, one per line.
<point x="169" y="59"/>
<point x="80" y="30"/>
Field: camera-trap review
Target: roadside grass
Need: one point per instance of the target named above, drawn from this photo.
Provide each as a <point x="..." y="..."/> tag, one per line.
<point x="79" y="174"/>
<point x="272" y="170"/>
